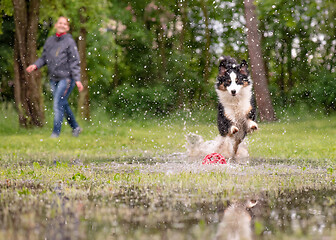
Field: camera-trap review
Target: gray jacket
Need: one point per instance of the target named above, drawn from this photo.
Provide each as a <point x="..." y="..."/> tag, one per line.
<point x="62" y="58"/>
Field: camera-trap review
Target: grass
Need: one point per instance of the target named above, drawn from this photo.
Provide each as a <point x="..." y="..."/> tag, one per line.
<point x="104" y="139"/>
<point x="309" y="139"/>
<point x="121" y="179"/>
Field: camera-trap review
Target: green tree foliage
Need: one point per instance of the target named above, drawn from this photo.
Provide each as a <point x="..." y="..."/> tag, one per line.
<point x="140" y="50"/>
<point x="299" y="40"/>
<point x="6" y="51"/>
<point x="163" y="45"/>
<point x="6" y="60"/>
<point x="6" y="9"/>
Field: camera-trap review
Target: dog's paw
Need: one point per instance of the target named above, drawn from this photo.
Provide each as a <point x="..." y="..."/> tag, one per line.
<point x="233" y="130"/>
<point x="252" y="126"/>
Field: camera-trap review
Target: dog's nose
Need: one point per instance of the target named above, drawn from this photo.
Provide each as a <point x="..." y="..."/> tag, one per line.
<point x="233" y="92"/>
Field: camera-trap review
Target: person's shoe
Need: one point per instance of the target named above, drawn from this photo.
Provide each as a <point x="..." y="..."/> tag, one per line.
<point x="76" y="131"/>
<point x="54" y="135"/>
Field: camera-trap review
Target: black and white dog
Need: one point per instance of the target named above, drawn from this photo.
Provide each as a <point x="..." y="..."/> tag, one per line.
<point x="236" y="112"/>
<point x="236" y="107"/>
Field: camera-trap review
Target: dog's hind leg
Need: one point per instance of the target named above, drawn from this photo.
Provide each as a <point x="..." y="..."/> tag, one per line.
<point x="242" y="154"/>
<point x="235" y="146"/>
<point x="225" y="147"/>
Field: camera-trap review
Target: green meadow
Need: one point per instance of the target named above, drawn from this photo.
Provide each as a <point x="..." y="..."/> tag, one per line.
<point x="309" y="138"/>
<point x="131" y="179"/>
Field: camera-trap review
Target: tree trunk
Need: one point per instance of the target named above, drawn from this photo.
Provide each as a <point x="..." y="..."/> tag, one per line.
<point x="161" y="40"/>
<point x="206" y="52"/>
<point x="281" y="79"/>
<point x="259" y="75"/>
<point x="289" y="43"/>
<point x="184" y="18"/>
<point x="84" y="99"/>
<point x="116" y="77"/>
<point x="28" y="89"/>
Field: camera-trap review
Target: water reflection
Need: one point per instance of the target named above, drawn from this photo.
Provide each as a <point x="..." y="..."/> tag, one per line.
<point x="109" y="204"/>
<point x="237" y="221"/>
<point x="305" y="212"/>
<point x="302" y="214"/>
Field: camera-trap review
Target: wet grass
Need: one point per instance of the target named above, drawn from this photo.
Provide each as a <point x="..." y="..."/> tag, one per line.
<point x="136" y="201"/>
<point x="129" y="179"/>
<point x="104" y="139"/>
<point x="310" y="139"/>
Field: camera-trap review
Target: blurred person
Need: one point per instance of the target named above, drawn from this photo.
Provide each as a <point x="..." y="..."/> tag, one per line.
<point x="61" y="56"/>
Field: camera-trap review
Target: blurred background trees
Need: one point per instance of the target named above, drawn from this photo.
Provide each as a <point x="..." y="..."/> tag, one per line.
<point x="155" y="57"/>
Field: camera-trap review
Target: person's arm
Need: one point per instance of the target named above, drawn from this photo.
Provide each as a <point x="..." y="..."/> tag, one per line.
<point x="74" y="61"/>
<point x="31" y="68"/>
<point x="39" y="62"/>
<point x="80" y="86"/>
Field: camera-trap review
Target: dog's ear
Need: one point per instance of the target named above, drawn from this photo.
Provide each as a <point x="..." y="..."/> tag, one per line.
<point x="222" y="66"/>
<point x="222" y="70"/>
<point x="244" y="68"/>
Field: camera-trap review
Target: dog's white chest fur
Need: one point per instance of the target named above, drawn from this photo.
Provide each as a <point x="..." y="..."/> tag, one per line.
<point x="236" y="107"/>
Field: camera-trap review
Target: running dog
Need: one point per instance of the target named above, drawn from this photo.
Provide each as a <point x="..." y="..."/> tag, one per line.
<point x="236" y="107"/>
<point x="236" y="112"/>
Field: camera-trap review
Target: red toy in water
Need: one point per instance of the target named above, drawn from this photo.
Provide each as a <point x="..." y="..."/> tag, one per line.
<point x="214" y="158"/>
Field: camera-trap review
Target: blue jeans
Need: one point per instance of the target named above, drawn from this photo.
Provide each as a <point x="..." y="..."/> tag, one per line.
<point x="61" y="91"/>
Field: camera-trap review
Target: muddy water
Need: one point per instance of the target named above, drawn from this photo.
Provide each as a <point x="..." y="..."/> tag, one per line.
<point x="36" y="210"/>
<point x="304" y="213"/>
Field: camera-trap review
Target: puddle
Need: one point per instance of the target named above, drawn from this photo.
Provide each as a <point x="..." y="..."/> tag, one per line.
<point x="169" y="198"/>
<point x="179" y="163"/>
<point x="304" y="214"/>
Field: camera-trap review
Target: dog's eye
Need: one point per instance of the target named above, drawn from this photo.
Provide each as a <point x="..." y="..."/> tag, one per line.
<point x="239" y="81"/>
<point x="227" y="82"/>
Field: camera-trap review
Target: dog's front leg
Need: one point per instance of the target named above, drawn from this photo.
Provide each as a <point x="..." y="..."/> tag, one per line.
<point x="225" y="125"/>
<point x="233" y="130"/>
<point x="251" y="125"/>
